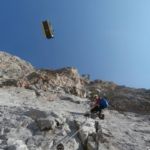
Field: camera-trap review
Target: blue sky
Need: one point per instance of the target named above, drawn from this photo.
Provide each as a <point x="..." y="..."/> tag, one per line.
<point x="108" y="39"/>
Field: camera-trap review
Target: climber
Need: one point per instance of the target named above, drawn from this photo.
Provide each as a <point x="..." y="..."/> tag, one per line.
<point x="99" y="104"/>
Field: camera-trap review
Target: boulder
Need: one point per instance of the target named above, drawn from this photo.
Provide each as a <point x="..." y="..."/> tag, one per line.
<point x="46" y="124"/>
<point x="35" y="114"/>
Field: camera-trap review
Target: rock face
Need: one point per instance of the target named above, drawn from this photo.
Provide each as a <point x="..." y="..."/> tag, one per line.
<point x="33" y="123"/>
<point x="17" y="72"/>
<point x="62" y="80"/>
<point x="66" y="79"/>
<point x="12" y="67"/>
<point x="130" y="100"/>
<point x="44" y="109"/>
<point x="122" y="98"/>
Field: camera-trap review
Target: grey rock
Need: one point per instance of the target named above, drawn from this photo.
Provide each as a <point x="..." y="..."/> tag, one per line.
<point x="42" y="115"/>
<point x="12" y="67"/>
<point x="35" y="114"/>
<point x="11" y="147"/>
<point x="45" y="124"/>
<point x="91" y="142"/>
<point x="9" y="82"/>
<point x="33" y="127"/>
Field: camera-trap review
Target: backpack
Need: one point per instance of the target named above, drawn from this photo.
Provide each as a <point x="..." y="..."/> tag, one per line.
<point x="103" y="103"/>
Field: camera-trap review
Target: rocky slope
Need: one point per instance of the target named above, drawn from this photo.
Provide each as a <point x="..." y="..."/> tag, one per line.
<point x="39" y="109"/>
<point x="29" y="122"/>
<point x="17" y="72"/>
<point x="12" y="67"/>
<point x="124" y="99"/>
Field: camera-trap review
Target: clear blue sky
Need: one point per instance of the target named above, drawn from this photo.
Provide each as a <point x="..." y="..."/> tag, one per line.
<point x="108" y="39"/>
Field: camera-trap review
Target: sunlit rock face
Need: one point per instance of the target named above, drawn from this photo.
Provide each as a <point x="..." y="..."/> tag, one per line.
<point x="31" y="122"/>
<point x="42" y="109"/>
<point x="17" y="72"/>
<point x="12" y="67"/>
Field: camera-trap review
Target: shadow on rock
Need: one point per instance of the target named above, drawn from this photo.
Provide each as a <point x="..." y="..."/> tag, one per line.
<point x="34" y="114"/>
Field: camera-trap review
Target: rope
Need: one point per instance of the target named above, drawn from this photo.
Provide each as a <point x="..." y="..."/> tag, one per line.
<point x="75" y="132"/>
<point x="67" y="139"/>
